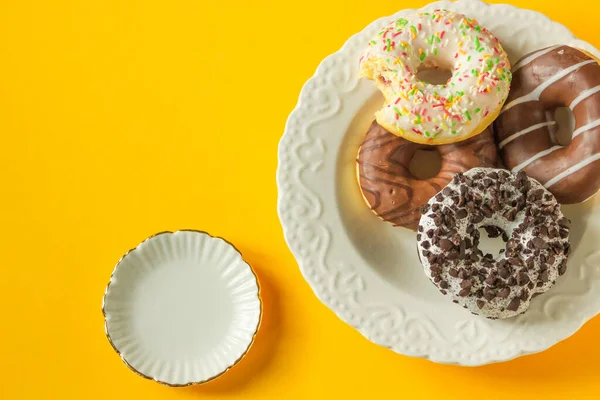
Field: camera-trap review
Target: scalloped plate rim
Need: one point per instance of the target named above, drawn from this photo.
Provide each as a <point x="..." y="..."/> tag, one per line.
<point x="229" y="367"/>
<point x="292" y="245"/>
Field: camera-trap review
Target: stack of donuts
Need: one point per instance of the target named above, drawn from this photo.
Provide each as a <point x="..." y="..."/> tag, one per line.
<point x="503" y="169"/>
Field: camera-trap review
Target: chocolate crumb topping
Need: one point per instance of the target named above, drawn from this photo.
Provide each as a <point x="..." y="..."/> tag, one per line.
<point x="506" y="205"/>
<point x="514" y="304"/>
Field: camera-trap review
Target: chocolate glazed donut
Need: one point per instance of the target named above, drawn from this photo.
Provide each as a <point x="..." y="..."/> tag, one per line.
<point x="557" y="76"/>
<point x="389" y="188"/>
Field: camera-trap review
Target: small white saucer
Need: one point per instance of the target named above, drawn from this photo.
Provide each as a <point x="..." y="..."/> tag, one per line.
<point x="182" y="308"/>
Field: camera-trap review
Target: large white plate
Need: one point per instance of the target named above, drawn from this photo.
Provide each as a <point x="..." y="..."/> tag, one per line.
<point x="366" y="271"/>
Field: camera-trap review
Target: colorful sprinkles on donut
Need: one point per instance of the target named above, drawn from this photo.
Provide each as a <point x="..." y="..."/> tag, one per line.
<point x="435" y="114"/>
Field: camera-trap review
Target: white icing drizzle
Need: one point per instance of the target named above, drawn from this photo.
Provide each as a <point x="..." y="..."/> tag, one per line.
<point x="551" y="128"/>
<point x="524" y="132"/>
<point x="585" y="128"/>
<point x="572" y="170"/>
<point x="536" y="93"/>
<point x="566" y="172"/>
<point x="584" y="95"/>
<point x="532" y="57"/>
<point x="535" y="157"/>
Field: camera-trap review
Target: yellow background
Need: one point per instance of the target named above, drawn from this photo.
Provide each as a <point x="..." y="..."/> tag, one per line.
<point x="123" y="118"/>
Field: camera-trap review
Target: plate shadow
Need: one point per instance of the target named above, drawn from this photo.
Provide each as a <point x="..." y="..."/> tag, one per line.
<point x="266" y="342"/>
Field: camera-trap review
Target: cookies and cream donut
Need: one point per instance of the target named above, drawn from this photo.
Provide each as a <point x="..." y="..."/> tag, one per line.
<point x="557" y="76"/>
<point x="388" y="186"/>
<point x="503" y="203"/>
<point x="437" y="114"/>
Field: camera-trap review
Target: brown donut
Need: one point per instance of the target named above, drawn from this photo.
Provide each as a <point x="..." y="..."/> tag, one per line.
<point x="389" y="188"/>
<point x="557" y="76"/>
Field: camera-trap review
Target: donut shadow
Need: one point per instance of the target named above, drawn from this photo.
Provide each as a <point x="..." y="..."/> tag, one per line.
<point x="390" y="251"/>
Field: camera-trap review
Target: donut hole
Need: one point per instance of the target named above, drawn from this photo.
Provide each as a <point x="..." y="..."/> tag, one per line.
<point x="434" y="75"/>
<point x="565" y="124"/>
<point x="425" y="164"/>
<point x="492" y="241"/>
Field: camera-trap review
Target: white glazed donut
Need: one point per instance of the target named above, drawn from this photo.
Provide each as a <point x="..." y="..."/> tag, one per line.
<point x="513" y="206"/>
<point x="437" y="114"/>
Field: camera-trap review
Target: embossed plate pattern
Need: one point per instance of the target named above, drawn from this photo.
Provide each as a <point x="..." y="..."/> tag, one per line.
<point x="368" y="272"/>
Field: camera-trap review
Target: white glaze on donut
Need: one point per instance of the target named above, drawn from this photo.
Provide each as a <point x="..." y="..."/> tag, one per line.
<point x="551" y="127"/>
<point x="526" y="60"/>
<point x="497" y="306"/>
<point x="583" y="95"/>
<point x="585" y="128"/>
<point x="571" y="170"/>
<point x="524" y="131"/>
<point x="534" y="95"/>
<point x="428" y="113"/>
<point x="535" y="157"/>
<point x="544" y="153"/>
<point x="559" y="76"/>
